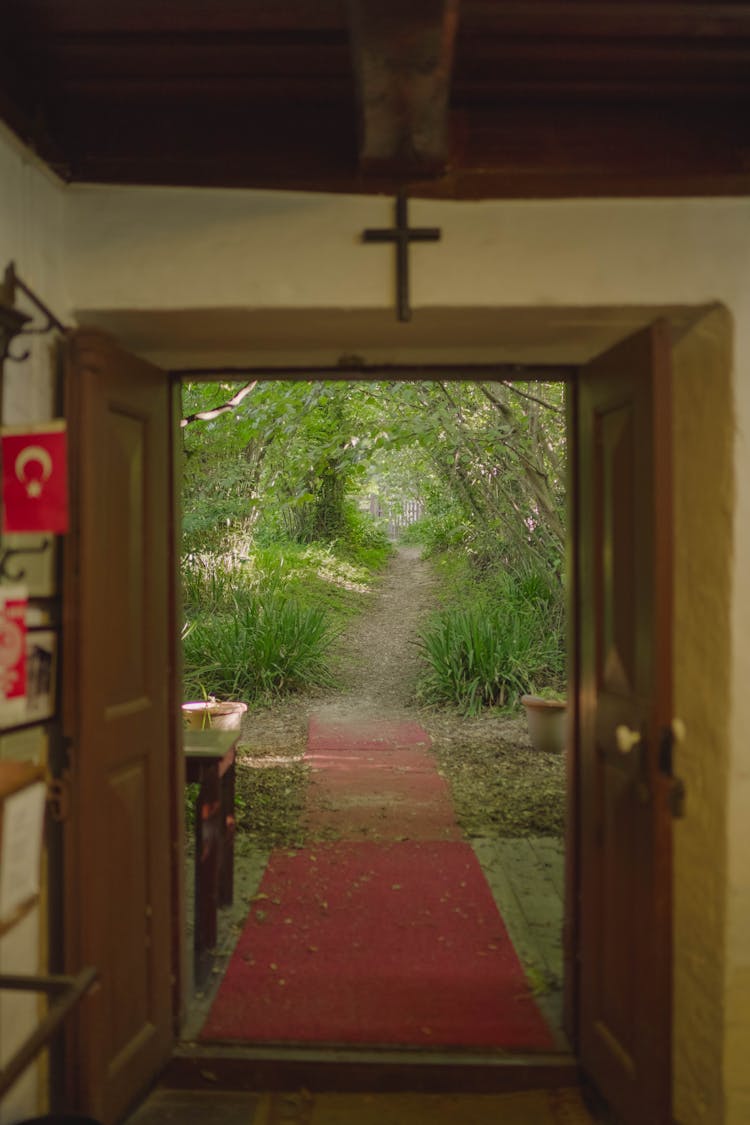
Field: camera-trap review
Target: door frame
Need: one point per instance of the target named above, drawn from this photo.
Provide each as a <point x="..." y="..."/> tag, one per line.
<point x="180" y="971"/>
<point x="571" y="908"/>
<point x="564" y="373"/>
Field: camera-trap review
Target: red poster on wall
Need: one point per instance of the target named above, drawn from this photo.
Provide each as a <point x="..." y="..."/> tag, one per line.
<point x="35" y="478"/>
<point x="13" y="604"/>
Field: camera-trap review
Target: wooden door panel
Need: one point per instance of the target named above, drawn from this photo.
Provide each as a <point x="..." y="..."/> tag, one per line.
<point x="614" y="451"/>
<point x="118" y="660"/>
<point x="128" y="976"/>
<point x="128" y="664"/>
<point x="623" y="564"/>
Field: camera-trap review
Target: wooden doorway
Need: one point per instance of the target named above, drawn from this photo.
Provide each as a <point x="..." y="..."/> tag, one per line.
<point x="587" y="776"/>
<point x="619" y="1012"/>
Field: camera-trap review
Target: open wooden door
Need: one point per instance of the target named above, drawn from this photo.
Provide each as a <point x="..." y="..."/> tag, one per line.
<point x="624" y="716"/>
<point x="118" y="664"/>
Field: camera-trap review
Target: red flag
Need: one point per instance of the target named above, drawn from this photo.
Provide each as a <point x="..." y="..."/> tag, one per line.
<point x="35" y="478"/>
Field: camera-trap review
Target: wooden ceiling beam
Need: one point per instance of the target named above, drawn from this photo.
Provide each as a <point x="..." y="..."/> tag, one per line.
<point x="537" y="151"/>
<point x="177" y="16"/>
<point x="264" y="90"/>
<point x="528" y="99"/>
<point x="403" y="61"/>
<point x="580" y="19"/>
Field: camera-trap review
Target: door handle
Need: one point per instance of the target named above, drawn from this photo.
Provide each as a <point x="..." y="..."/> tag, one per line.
<point x="626" y="738"/>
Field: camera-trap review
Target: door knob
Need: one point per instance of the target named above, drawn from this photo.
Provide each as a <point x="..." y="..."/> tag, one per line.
<point x="626" y="738"/>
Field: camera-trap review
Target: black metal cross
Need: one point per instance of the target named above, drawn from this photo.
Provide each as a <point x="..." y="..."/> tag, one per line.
<point x="402" y="234"/>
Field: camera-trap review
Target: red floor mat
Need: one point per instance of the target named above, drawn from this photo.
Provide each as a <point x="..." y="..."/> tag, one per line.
<point x="379" y="944"/>
<point x="389" y="937"/>
<point x="378" y="795"/>
<point x="364" y="734"/>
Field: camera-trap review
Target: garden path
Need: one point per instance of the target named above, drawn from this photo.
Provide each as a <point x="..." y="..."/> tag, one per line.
<point x="500" y="787"/>
<point x="378" y="658"/>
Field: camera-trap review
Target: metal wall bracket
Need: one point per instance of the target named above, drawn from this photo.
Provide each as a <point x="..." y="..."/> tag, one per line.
<point x="7" y="553"/>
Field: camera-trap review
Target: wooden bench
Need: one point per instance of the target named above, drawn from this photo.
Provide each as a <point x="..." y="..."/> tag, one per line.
<point x="210" y="761"/>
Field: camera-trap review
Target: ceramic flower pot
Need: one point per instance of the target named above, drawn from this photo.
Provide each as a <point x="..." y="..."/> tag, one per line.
<point x="212" y="714"/>
<point x="547" y="723"/>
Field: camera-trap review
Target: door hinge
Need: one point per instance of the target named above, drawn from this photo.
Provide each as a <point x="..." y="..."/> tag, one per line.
<point x="59" y="797"/>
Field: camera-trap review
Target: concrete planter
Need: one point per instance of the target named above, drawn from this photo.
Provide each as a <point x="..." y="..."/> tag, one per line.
<point x="211" y="714"/>
<point x="547" y="723"/>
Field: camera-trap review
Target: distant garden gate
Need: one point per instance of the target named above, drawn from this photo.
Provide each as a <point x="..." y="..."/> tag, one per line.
<point x="398" y="513"/>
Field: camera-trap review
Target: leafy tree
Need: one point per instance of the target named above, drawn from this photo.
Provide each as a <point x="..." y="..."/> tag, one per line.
<point x="287" y="458"/>
<point x="292" y="462"/>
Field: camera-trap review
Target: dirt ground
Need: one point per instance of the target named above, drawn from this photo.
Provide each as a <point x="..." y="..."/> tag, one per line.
<point x="500" y="786"/>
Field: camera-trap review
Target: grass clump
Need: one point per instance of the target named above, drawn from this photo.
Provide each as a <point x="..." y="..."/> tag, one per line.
<point x="493" y="642"/>
<point x="267" y="645"/>
<point x="261" y="623"/>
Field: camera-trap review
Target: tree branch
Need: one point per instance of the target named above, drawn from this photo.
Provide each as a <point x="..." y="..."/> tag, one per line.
<point x="532" y="398"/>
<point x="225" y="408"/>
<point x="537" y="478"/>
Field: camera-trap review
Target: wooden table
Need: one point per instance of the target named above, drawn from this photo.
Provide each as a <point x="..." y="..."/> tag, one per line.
<point x="210" y="761"/>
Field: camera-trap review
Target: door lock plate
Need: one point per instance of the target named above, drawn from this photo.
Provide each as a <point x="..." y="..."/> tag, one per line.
<point x="58" y="798"/>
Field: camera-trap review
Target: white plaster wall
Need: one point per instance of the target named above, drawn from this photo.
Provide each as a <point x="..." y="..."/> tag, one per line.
<point x="32" y="207"/>
<point x="219" y="248"/>
<point x="703" y="491"/>
<point x="32" y="214"/>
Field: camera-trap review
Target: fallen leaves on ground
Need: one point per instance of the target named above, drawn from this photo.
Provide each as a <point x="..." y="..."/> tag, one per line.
<point x="269" y="802"/>
<point x="500" y="786"/>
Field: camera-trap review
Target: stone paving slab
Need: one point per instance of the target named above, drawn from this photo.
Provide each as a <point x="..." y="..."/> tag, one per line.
<point x="526" y="877"/>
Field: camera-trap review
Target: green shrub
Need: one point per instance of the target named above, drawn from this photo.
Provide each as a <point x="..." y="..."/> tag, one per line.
<point x="362" y="540"/>
<point x="495" y="643"/>
<point x="413" y="534"/>
<point x="268" y="645"/>
<point x="361" y="530"/>
<point x="209" y="582"/>
<point x="437" y="532"/>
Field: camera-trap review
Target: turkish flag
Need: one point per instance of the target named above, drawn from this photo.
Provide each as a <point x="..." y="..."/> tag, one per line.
<point x="35" y="478"/>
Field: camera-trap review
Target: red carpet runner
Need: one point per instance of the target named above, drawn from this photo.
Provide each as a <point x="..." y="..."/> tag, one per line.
<point x="388" y="936"/>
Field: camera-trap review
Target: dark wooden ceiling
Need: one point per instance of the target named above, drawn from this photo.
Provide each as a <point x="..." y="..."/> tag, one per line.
<point x="448" y="98"/>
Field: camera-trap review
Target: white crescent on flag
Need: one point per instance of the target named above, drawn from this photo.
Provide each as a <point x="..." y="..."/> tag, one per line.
<point x="33" y="453"/>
